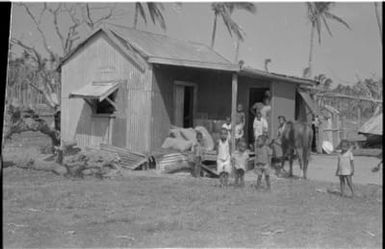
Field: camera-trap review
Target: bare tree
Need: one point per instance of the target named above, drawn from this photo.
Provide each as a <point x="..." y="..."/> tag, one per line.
<point x="40" y="67"/>
<point x="82" y="16"/>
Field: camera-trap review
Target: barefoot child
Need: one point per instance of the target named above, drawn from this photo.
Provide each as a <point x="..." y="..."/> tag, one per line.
<point x="198" y="150"/>
<point x="262" y="161"/>
<point x="345" y="167"/>
<point x="240" y="160"/>
<point x="223" y="158"/>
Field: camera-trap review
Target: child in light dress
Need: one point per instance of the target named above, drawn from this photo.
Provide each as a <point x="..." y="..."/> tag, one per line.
<point x="240" y="159"/>
<point x="223" y="158"/>
<point x="345" y="167"/>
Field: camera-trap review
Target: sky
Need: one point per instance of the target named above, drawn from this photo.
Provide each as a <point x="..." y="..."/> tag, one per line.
<point x="279" y="31"/>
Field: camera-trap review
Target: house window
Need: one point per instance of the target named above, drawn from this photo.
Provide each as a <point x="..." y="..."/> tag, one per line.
<point x="100" y="96"/>
<point x="106" y="106"/>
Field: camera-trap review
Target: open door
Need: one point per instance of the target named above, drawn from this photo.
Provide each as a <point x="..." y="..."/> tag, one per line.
<point x="185" y="95"/>
<point x="255" y="95"/>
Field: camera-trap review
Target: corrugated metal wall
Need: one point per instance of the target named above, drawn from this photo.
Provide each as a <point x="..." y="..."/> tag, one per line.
<point x="101" y="60"/>
<point x="283" y="103"/>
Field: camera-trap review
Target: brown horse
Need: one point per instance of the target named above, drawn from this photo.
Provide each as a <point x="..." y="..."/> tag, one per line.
<point x="297" y="139"/>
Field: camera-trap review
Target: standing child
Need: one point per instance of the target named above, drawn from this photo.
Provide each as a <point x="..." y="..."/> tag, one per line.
<point x="262" y="161"/>
<point x="240" y="160"/>
<point x="198" y="150"/>
<point x="227" y="126"/>
<point x="223" y="158"/>
<point x="345" y="167"/>
<point x="260" y="125"/>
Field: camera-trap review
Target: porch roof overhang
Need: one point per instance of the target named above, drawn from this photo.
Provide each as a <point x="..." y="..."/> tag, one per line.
<point x="256" y="73"/>
<point x="309" y="102"/>
<point x="194" y="64"/>
<point x="96" y="90"/>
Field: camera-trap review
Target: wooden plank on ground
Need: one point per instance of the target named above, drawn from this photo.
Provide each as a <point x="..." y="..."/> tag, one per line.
<point x="211" y="171"/>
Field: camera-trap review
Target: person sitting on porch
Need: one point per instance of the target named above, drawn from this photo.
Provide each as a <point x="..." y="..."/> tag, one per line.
<point x="260" y="126"/>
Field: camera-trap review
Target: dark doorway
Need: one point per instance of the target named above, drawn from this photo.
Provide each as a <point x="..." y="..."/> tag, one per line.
<point x="255" y="95"/>
<point x="188" y="106"/>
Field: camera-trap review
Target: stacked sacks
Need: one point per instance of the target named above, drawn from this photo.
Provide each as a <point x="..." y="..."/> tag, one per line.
<point x="181" y="139"/>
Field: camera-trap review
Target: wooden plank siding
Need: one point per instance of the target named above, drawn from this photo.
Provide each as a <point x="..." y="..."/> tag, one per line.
<point x="99" y="60"/>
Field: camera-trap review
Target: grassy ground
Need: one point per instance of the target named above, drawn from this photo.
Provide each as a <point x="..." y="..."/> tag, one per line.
<point x="144" y="209"/>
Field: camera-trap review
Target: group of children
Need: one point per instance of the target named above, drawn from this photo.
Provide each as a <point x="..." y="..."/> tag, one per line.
<point x="235" y="163"/>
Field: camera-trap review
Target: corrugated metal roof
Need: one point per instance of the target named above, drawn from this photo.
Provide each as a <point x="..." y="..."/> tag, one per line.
<point x="373" y="126"/>
<point x="162" y="49"/>
<point x="99" y="90"/>
<point x="256" y="73"/>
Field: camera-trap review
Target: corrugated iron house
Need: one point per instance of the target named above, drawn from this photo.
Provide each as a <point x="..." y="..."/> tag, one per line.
<point x="126" y="88"/>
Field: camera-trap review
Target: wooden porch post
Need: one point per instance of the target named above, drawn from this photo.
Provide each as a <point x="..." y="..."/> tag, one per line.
<point x="234" y="94"/>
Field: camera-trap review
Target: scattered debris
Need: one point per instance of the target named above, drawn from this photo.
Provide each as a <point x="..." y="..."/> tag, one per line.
<point x="124" y="237"/>
<point x="17" y="225"/>
<point x="173" y="162"/>
<point x="33" y="210"/>
<point x="321" y="190"/>
<point x="128" y="159"/>
<point x="370" y="233"/>
<point x="272" y="232"/>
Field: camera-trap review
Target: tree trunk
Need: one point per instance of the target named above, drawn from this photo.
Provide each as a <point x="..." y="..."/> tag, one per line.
<point x="214" y="30"/>
<point x="311" y="51"/>
<point x="378" y="19"/>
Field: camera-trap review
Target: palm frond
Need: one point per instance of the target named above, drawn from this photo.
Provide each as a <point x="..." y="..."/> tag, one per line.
<point x="155" y="10"/>
<point x="139" y="8"/>
<point x="327" y="26"/>
<point x="247" y="6"/>
<point x="232" y="26"/>
<point x="336" y="18"/>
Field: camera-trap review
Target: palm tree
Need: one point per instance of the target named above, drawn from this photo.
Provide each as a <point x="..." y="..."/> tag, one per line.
<point x="318" y="14"/>
<point x="378" y="18"/>
<point x="225" y="10"/>
<point x="154" y="9"/>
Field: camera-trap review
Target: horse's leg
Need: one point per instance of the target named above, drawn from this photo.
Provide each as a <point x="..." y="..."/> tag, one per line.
<point x="281" y="169"/>
<point x="300" y="155"/>
<point x="290" y="155"/>
<point x="306" y="156"/>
